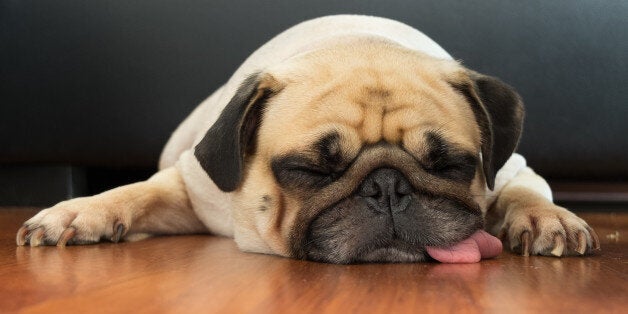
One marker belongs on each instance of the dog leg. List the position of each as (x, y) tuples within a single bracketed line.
[(159, 205), (533, 224)]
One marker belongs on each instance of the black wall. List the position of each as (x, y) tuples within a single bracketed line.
[(103, 83)]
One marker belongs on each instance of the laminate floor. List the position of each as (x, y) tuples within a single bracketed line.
[(206, 274)]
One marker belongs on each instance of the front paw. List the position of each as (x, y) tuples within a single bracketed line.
[(548, 230), (77, 221)]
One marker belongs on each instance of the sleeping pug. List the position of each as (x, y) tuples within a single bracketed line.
[(344, 139)]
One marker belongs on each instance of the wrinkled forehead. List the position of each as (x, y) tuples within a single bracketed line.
[(368, 96)]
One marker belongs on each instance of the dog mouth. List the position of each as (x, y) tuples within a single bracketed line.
[(394, 254), (480, 245), (392, 250), (427, 228), (396, 251)]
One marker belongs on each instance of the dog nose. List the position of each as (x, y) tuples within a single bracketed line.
[(386, 190)]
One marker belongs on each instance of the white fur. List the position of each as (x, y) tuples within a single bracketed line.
[(516, 173)]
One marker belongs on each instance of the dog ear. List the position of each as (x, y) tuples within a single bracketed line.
[(499, 112), (232, 137)]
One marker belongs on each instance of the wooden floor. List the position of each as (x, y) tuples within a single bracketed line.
[(205, 274)]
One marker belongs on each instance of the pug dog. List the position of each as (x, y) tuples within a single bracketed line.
[(344, 139)]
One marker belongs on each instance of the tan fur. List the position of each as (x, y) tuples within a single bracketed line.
[(417, 96)]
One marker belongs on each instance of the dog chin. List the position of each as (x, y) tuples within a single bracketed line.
[(398, 252), (392, 250), (393, 255)]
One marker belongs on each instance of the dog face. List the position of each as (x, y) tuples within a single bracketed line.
[(361, 152)]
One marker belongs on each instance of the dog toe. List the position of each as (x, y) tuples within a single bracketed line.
[(119, 229), (551, 231), (21, 236), (35, 237), (67, 235), (558, 246)]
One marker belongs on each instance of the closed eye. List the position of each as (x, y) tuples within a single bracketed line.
[(300, 172), (460, 167), (309, 170), (448, 161)]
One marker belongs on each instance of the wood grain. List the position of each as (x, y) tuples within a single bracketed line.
[(209, 274)]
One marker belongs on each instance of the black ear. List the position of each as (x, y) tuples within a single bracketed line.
[(224, 147), (499, 113)]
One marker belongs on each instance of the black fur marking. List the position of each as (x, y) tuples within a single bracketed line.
[(222, 150), (301, 170), (447, 161), (330, 152), (265, 200), (498, 110)]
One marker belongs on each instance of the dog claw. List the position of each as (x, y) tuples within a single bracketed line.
[(582, 243), (66, 236), (594, 238), (559, 245), (118, 230), (21, 236), (525, 243), (36, 236)]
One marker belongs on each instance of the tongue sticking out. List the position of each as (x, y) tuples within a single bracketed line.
[(470, 250)]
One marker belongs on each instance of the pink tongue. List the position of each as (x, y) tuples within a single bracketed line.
[(471, 250)]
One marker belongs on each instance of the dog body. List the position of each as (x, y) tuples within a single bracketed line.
[(343, 139), (212, 205)]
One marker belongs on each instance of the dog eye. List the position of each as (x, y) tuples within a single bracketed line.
[(305, 177), (310, 170), (456, 168), (300, 173)]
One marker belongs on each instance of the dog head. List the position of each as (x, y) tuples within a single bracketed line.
[(362, 152)]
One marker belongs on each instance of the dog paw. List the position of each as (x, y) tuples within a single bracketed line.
[(77, 221), (548, 230)]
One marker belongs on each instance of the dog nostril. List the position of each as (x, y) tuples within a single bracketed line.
[(403, 188), (369, 189), (402, 203)]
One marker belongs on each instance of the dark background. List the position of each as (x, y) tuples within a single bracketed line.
[(91, 90)]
